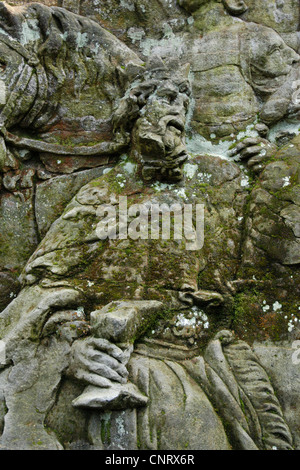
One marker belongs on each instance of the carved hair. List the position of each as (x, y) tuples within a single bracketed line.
[(131, 104)]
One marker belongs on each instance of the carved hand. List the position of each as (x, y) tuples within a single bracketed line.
[(254, 151), (96, 361)]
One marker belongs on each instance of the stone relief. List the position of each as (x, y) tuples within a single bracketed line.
[(103, 337)]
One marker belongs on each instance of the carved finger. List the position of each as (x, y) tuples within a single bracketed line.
[(127, 354), (237, 149), (105, 346), (251, 141), (101, 358), (256, 160), (243, 145), (105, 371), (249, 152), (92, 379)]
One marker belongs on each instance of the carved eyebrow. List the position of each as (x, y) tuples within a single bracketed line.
[(275, 47), (165, 91)]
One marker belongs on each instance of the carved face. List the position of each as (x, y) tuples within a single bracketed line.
[(158, 135), (270, 60)]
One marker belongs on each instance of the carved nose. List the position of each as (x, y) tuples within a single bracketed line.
[(293, 57)]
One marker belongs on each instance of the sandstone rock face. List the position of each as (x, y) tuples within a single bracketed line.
[(150, 225)]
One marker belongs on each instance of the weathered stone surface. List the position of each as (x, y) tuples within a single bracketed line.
[(120, 321), (18, 231), (9, 288), (131, 342), (53, 195), (67, 165)]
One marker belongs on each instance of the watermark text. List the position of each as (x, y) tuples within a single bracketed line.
[(152, 222)]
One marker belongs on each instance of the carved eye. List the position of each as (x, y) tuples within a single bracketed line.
[(275, 49), (167, 95), (184, 88), (2, 66)]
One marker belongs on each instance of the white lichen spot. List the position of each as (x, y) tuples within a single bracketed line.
[(81, 40), (130, 168), (277, 306), (245, 181), (80, 312), (190, 170), (248, 132), (158, 186), (129, 5), (120, 425), (194, 317), (64, 36), (135, 34), (182, 321), (30, 32), (204, 177), (95, 48), (292, 323), (181, 193), (286, 181), (198, 145), (288, 126), (121, 180)]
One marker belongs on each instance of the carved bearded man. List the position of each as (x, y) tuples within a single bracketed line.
[(55, 346), (124, 342)]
